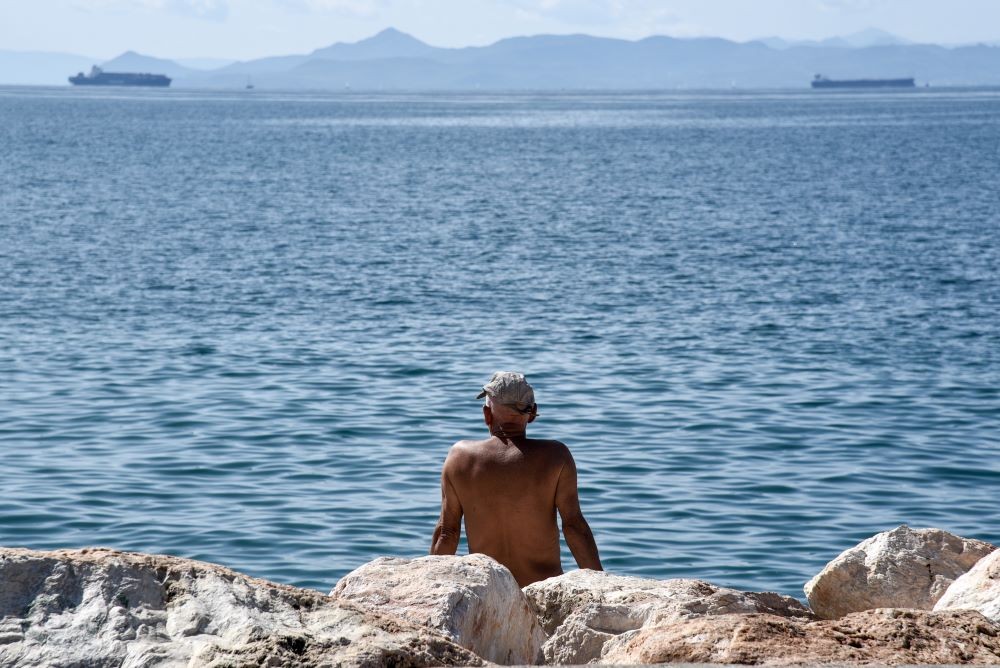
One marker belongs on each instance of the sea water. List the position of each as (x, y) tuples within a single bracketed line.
[(246, 327)]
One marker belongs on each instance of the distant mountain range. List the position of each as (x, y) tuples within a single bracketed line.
[(861, 40), (394, 60)]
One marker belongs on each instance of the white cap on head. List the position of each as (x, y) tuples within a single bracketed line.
[(510, 389)]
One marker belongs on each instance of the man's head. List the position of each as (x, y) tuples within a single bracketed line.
[(510, 402)]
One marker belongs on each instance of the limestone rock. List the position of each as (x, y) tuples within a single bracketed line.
[(979, 589), (584, 610), (98, 607), (472, 600), (884, 636), (902, 568)]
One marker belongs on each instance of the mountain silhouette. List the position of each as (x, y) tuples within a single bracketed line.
[(390, 43), (395, 60), (130, 61), (859, 40)]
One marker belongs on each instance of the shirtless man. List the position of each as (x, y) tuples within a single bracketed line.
[(509, 488)]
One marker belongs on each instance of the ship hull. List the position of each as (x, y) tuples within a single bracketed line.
[(865, 83), (151, 81)]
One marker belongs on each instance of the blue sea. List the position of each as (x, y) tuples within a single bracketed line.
[(246, 327)]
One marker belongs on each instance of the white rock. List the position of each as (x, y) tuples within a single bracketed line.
[(902, 568), (583, 610), (978, 589), (472, 600), (100, 607)]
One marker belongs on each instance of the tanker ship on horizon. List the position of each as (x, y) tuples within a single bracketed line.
[(99, 77), (822, 82)]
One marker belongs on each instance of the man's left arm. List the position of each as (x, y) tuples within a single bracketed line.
[(579, 537), (449, 526)]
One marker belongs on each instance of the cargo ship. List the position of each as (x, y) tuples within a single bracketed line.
[(822, 82), (99, 77)]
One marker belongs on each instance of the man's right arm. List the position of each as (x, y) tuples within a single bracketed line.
[(449, 526), (579, 537)]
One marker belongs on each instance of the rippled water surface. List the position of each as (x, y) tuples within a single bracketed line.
[(246, 328)]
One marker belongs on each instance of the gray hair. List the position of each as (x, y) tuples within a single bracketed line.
[(493, 403)]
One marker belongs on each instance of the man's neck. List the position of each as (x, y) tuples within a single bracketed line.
[(508, 435)]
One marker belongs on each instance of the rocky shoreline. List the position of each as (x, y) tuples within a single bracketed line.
[(902, 597)]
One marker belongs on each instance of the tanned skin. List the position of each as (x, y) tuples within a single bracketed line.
[(509, 488)]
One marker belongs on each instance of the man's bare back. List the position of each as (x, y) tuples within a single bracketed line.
[(509, 489)]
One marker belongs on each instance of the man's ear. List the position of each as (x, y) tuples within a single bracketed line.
[(533, 414)]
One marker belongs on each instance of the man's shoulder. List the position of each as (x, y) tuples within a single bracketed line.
[(548, 443), (465, 449), (472, 443), (475, 446), (554, 450), (469, 444)]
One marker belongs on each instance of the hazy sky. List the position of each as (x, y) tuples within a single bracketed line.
[(250, 28)]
